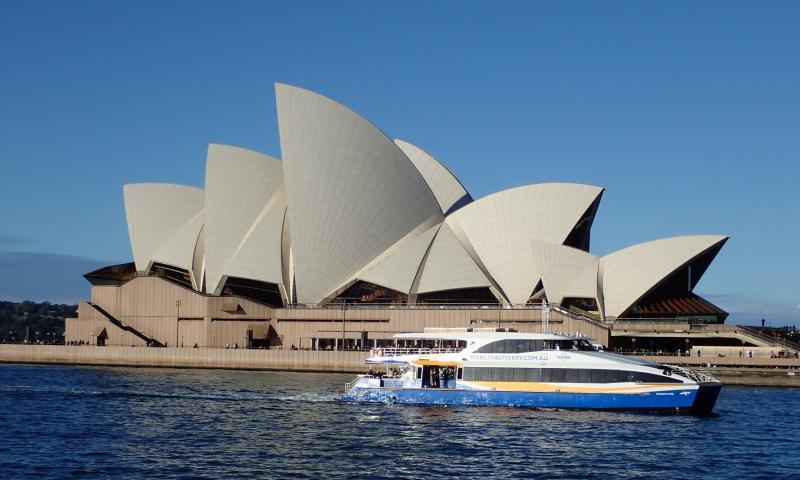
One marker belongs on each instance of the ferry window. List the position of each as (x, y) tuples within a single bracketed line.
[(419, 372), (570, 375), (558, 375), (512, 346), (652, 378), (469, 374), (584, 376), (546, 375), (481, 374), (519, 374), (580, 345), (598, 376), (460, 374), (532, 375)]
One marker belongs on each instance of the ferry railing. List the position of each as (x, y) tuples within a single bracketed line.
[(695, 375), (769, 338), (397, 351), (418, 306), (578, 316)]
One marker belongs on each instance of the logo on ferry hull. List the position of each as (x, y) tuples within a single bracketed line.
[(517, 357)]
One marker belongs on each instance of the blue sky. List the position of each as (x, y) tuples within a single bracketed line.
[(687, 112)]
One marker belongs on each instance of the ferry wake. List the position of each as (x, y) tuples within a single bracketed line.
[(508, 368)]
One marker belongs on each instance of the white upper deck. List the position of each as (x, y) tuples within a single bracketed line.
[(483, 335)]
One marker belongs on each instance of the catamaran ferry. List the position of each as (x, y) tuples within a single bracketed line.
[(481, 367)]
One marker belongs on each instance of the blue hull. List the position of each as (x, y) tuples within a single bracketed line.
[(684, 400)]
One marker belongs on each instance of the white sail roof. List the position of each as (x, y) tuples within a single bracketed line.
[(398, 267), (244, 215), (565, 271), (500, 227), (199, 259), (347, 203), (351, 192), (449, 192), (259, 256), (164, 221), (448, 266), (628, 274)]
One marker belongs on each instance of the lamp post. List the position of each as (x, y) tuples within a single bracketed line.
[(633, 342), (545, 317), (686, 340)]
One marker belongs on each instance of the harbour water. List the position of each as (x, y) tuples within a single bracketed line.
[(91, 422)]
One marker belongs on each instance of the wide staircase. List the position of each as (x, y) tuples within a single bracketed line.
[(699, 331), (771, 341), (124, 326)]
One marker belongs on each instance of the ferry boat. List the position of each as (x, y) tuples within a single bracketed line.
[(508, 368)]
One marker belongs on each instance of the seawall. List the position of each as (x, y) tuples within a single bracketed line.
[(784, 372), (745, 371), (240, 359)]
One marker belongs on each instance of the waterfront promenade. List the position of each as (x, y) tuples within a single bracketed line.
[(761, 372), (239, 359), (730, 370)]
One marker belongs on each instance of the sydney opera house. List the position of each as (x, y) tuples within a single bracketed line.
[(351, 237)]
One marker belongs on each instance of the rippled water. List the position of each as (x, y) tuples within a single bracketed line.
[(138, 423)]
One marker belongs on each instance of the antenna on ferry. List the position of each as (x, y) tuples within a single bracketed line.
[(545, 316)]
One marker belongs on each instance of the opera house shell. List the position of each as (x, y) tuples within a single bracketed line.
[(349, 216)]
